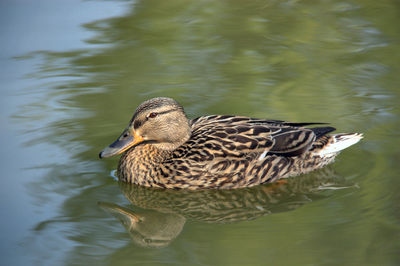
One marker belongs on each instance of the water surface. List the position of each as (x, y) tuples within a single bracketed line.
[(71, 81)]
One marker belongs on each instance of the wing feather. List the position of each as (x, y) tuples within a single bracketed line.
[(240, 135)]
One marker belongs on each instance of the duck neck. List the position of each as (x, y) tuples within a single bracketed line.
[(171, 146)]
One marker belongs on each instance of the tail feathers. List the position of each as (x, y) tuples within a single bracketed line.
[(339, 142)]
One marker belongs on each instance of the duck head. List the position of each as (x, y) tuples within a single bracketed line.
[(160, 121)]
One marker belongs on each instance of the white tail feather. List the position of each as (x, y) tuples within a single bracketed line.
[(340, 142)]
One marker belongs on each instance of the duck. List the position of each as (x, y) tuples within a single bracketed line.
[(162, 148)]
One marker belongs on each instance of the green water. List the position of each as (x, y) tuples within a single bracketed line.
[(73, 73)]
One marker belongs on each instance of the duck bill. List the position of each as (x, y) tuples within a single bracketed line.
[(120, 145)]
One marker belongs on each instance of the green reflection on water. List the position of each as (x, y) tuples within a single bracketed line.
[(300, 61), (166, 211)]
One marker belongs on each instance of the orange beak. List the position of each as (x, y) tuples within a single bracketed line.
[(123, 143)]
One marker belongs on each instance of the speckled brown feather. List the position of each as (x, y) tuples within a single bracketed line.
[(226, 152), (232, 205), (162, 148)]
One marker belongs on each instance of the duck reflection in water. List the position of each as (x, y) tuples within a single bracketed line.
[(166, 211)]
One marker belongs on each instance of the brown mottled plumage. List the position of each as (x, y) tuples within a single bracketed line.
[(162, 148)]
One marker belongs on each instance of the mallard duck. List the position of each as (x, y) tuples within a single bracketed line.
[(162, 148)]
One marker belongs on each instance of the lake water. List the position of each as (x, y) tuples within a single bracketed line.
[(73, 73)]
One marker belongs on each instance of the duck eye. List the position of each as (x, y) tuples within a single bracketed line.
[(152, 115), (125, 135)]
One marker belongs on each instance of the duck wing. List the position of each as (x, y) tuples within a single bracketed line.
[(237, 136)]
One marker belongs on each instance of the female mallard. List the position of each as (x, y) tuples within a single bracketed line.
[(162, 148)]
